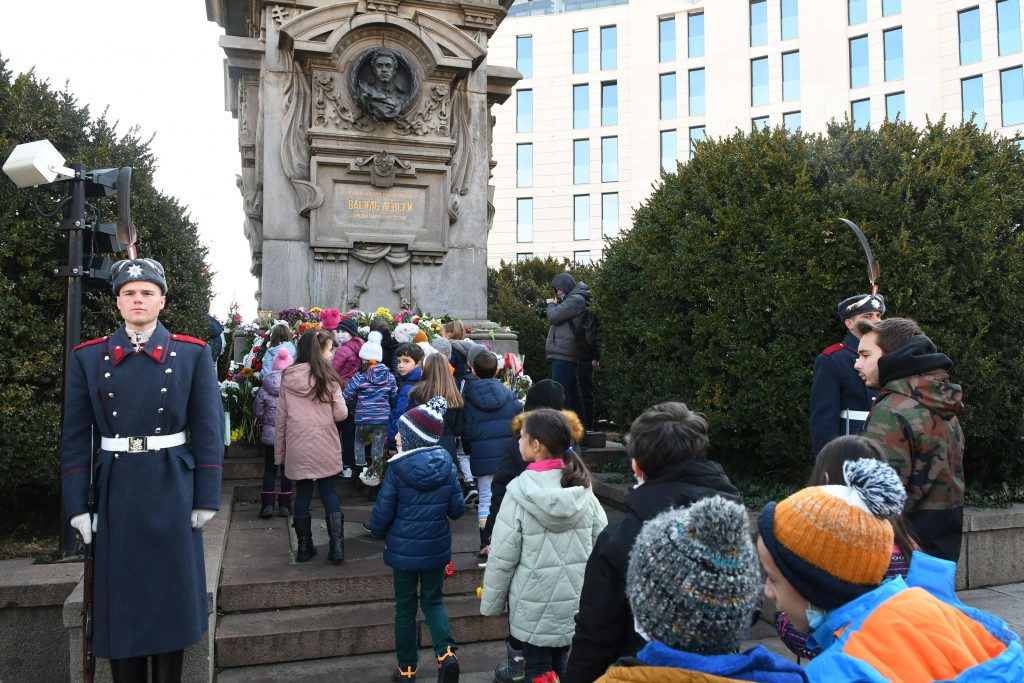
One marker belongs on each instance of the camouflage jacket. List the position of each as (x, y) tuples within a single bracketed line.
[(915, 423)]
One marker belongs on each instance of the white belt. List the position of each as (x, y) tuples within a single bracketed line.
[(140, 444), (857, 415)]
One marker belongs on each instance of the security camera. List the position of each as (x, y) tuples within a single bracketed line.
[(36, 163)]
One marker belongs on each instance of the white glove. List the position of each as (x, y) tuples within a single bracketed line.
[(201, 517), (81, 522)]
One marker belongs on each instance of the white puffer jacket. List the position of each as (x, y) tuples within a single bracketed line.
[(539, 549)]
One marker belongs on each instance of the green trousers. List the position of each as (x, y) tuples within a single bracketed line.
[(431, 600)]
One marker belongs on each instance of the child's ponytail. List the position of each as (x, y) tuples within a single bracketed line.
[(553, 430), (575, 472)]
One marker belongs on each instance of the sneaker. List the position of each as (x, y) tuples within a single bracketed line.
[(447, 667), (514, 671), (366, 528), (267, 512), (472, 496), (406, 676), (346, 473)]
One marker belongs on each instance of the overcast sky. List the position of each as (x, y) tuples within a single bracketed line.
[(155, 64)]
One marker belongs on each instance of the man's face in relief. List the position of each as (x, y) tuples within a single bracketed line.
[(384, 68)]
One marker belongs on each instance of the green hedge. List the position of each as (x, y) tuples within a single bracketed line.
[(726, 288)]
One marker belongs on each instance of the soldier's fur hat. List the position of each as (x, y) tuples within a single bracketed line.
[(861, 303), (138, 270)]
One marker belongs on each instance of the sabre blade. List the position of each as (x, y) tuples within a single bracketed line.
[(873, 270)]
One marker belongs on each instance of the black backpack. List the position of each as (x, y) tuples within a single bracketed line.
[(585, 328)]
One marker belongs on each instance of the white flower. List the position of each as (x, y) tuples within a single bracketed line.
[(249, 358), (363, 331), (369, 478), (255, 390)]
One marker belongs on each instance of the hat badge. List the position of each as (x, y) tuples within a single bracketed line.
[(874, 302), (134, 271)]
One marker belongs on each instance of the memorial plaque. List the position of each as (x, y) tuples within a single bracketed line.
[(400, 208)]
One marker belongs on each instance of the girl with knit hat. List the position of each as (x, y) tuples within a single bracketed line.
[(825, 550), (279, 337), (265, 408), (371, 392)]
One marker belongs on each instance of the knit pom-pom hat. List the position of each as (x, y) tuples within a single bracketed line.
[(329, 318), (282, 359), (405, 332), (834, 543), (694, 578), (372, 349), (442, 346), (423, 425)]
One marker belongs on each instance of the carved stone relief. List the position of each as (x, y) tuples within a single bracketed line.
[(393, 256), (294, 145), (383, 84), (382, 168), (432, 116), (462, 159)]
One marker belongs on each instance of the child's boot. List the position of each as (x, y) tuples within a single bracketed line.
[(266, 505), (406, 675), (304, 533), (447, 667), (470, 491), (513, 671), (284, 504), (335, 529)]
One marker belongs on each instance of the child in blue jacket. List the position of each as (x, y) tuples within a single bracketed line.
[(373, 392), (419, 494), (409, 361)]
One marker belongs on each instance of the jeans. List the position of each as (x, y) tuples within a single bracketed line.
[(542, 659), (377, 434), (585, 378), (483, 487), (564, 372), (328, 495), (347, 432), (431, 601), (269, 475)]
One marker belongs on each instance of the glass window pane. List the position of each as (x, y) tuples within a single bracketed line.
[(759, 81), (669, 150), (609, 58), (860, 112), (524, 220), (610, 214), (791, 76), (1012, 91), (891, 7), (609, 104), (580, 161), (857, 11), (895, 107), (759, 123), (520, 257), (1008, 14), (524, 165), (893, 43), (667, 39), (667, 94), (609, 159), (580, 106), (581, 217), (758, 22), (790, 19), (579, 51), (970, 36), (791, 121), (524, 55), (972, 100), (524, 111), (696, 92), (581, 257), (695, 35), (696, 135), (859, 76)]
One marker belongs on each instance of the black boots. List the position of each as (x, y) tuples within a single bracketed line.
[(335, 530), (305, 536), (266, 506), (165, 668)]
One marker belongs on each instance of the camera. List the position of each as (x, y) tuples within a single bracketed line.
[(542, 308)]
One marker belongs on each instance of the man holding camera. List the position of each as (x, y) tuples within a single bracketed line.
[(565, 314)]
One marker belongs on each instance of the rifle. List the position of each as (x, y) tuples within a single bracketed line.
[(88, 658)]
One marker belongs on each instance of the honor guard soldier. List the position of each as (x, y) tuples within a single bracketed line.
[(144, 407), (839, 399)]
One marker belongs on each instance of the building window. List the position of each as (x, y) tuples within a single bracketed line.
[(891, 7), (667, 39), (696, 101), (524, 111), (893, 42), (581, 217), (609, 103), (790, 19), (524, 220), (759, 81), (581, 258), (524, 165), (970, 36), (609, 159), (895, 107), (860, 112), (669, 151), (791, 121), (580, 162), (857, 11), (581, 106), (667, 95), (697, 134), (758, 22), (790, 75), (695, 35), (610, 214), (524, 256), (609, 56), (972, 100), (580, 42), (859, 76), (1011, 83), (524, 55), (1008, 17), (759, 123)]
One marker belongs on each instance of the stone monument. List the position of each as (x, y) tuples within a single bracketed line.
[(365, 131)]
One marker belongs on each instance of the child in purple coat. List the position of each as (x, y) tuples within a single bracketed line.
[(265, 407)]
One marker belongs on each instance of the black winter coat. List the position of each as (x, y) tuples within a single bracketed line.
[(604, 623)]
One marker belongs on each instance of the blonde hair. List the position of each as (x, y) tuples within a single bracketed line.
[(436, 381), (454, 329)]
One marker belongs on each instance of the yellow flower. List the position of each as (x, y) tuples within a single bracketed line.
[(236, 434), (315, 309), (383, 312)]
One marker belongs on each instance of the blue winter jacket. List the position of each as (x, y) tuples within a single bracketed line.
[(405, 385), (756, 664), (372, 393), (486, 423), (268, 357), (419, 494)]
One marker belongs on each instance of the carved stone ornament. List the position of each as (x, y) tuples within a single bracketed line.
[(386, 6), (433, 115), (383, 84), (371, 254), (382, 168), (295, 152)]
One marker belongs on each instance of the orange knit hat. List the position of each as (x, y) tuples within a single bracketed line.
[(421, 336)]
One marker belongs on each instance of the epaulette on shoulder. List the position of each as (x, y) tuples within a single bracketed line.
[(186, 338), (832, 349), (97, 340)]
